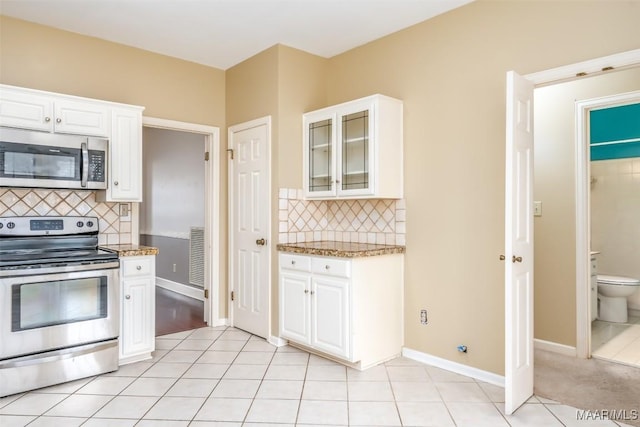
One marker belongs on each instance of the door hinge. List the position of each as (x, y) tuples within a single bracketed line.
[(230, 151), (233, 295), (206, 294), (206, 156)]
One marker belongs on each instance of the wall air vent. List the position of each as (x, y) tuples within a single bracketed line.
[(196, 256)]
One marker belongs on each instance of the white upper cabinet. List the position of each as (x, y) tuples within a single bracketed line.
[(27, 110), (125, 154), (354, 150), (120, 123)]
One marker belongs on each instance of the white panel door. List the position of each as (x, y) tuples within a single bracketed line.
[(519, 243), (330, 315), (251, 196)]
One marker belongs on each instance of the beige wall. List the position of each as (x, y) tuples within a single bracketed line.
[(555, 158), (450, 73), (44, 58), (281, 82)]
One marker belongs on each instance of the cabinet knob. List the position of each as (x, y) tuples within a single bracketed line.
[(47, 119), (313, 292), (127, 297), (293, 262), (58, 120), (306, 291), (115, 182), (326, 267), (138, 267)]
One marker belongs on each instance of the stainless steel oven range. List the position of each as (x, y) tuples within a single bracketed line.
[(59, 317)]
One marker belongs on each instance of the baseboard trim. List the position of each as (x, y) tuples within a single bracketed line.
[(220, 322), (554, 347), (185, 290), (458, 368), (277, 341)]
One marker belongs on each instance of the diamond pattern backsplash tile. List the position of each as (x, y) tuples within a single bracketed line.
[(380, 221), (44, 202)]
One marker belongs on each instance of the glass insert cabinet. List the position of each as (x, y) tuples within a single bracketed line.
[(354, 150)]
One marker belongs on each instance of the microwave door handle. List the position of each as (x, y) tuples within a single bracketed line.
[(84, 168)]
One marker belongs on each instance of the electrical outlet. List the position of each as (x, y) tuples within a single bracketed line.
[(125, 211), (423, 317)]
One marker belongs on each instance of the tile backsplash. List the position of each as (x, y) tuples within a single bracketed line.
[(45, 202), (380, 221)]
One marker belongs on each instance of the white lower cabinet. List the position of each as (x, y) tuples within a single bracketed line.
[(348, 309), (137, 308)]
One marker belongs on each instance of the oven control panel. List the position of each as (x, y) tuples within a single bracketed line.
[(48, 225)]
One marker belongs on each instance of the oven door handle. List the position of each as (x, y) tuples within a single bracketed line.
[(54, 356), (84, 168)]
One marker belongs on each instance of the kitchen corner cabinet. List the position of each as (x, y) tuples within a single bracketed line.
[(137, 308), (51, 112), (354, 150), (347, 309)]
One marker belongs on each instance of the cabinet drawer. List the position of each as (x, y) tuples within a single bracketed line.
[(136, 267), (331, 267), (295, 262)]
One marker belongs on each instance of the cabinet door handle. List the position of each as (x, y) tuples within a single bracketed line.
[(115, 182), (313, 292), (58, 120), (327, 267), (293, 262), (138, 267), (47, 119), (306, 291), (127, 297)]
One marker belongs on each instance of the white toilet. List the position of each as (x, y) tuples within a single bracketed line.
[(612, 294)]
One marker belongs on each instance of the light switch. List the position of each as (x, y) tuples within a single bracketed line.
[(537, 208)]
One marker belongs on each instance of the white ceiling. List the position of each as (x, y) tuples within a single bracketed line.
[(222, 33)]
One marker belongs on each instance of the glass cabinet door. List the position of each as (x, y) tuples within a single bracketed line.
[(356, 153), (320, 146)]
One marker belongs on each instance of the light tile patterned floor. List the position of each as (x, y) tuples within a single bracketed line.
[(225, 377), (619, 342)]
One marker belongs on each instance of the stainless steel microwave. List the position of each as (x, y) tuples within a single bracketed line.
[(46, 160)]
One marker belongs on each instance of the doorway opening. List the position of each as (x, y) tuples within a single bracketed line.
[(612, 174), (179, 216)]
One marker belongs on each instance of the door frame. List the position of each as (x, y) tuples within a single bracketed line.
[(583, 213), (563, 74), (266, 120), (212, 273)]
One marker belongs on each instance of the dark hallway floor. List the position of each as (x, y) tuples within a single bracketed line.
[(177, 313)]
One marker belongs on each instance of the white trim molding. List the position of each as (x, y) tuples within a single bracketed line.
[(277, 341), (554, 347), (212, 272), (458, 368), (583, 213), (180, 288), (583, 69)]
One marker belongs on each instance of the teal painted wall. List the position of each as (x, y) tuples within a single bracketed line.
[(615, 132)]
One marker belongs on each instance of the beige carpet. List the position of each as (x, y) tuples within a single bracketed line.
[(587, 383)]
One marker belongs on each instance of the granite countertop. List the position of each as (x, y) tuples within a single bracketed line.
[(131, 250), (340, 249)]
